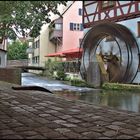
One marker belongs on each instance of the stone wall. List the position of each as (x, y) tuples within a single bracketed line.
[(11, 75)]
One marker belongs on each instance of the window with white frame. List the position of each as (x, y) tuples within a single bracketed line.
[(58, 26)]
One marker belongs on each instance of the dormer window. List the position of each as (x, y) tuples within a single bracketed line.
[(107, 4)]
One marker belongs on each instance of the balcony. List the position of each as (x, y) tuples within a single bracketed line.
[(56, 36), (56, 31)]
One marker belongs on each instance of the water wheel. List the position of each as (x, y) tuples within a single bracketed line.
[(109, 50)]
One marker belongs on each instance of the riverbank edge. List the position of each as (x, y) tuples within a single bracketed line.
[(120, 86)]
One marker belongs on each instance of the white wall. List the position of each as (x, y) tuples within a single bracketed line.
[(3, 57)]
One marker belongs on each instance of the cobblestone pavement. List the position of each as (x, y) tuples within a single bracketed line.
[(40, 115)]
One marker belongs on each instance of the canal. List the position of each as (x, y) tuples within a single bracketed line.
[(117, 99), (123, 100)]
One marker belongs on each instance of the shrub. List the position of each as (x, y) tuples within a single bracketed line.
[(61, 75), (78, 82), (55, 69)]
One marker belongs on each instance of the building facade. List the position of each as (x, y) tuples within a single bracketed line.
[(41, 46), (66, 32)]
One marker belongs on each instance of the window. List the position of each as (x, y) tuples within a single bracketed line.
[(38, 59), (80, 11), (33, 45), (36, 44), (71, 26), (81, 27), (35, 59), (107, 4), (58, 26), (76, 27)]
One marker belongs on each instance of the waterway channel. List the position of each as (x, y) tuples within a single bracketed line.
[(117, 99), (123, 100)]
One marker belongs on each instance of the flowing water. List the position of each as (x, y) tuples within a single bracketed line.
[(118, 99)]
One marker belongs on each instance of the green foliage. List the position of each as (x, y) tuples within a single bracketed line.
[(60, 75), (59, 68), (80, 83), (17, 50), (50, 66), (67, 78), (54, 66), (25, 17), (117, 86)]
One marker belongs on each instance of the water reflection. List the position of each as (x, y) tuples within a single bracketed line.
[(118, 99)]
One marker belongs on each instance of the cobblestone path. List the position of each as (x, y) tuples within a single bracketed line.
[(40, 115)]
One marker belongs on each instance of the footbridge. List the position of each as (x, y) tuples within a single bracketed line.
[(26, 68)]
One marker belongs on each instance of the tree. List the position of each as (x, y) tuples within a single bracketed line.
[(25, 17), (17, 50)]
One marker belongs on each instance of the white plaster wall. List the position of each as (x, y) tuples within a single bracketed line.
[(3, 56)]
